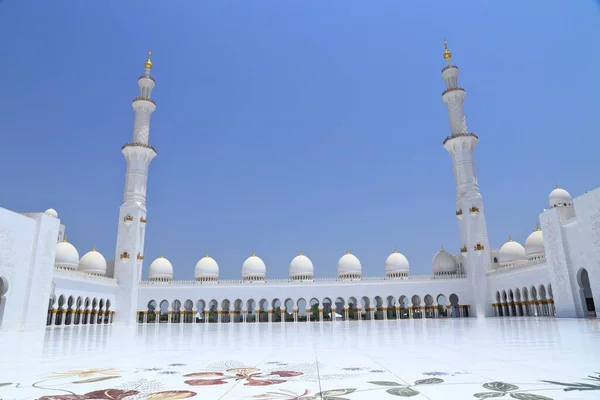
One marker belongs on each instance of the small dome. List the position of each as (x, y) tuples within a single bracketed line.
[(66, 255), (511, 251), (396, 263), (206, 269), (51, 212), (443, 262), (254, 267), (349, 265), (535, 243), (93, 263), (559, 198), (301, 266), (161, 268)]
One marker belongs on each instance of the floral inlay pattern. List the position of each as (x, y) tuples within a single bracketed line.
[(251, 377)]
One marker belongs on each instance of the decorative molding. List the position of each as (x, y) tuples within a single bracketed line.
[(143, 220), (128, 218), (124, 255), (459, 212), (463, 249)]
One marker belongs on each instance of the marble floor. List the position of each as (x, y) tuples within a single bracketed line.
[(520, 358)]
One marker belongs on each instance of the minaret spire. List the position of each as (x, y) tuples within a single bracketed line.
[(461, 146), (132, 215)]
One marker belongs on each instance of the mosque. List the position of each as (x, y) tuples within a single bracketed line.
[(556, 273)]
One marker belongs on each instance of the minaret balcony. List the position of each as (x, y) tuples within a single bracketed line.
[(145, 99), (146, 77), (459, 214), (138, 144), (452, 90), (455, 135), (474, 211)]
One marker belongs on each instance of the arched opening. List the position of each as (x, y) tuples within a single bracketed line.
[(551, 301), (51, 302), (59, 313), (526, 301), (429, 308), (276, 310), (188, 308), (237, 311), (201, 311), (513, 308), (250, 311), (585, 290), (416, 307), (366, 307), (390, 302), (87, 310), (100, 311), (225, 308), (288, 310), (109, 315), (263, 310), (455, 308), (176, 313), (442, 309), (69, 314), (353, 313), (164, 311), (519, 302), (327, 309), (403, 303), (378, 307), (544, 301), (534, 300), (505, 304), (303, 311), (340, 309), (499, 312)]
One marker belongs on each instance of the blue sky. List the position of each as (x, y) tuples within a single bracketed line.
[(288, 125)]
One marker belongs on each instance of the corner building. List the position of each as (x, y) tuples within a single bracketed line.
[(555, 273)]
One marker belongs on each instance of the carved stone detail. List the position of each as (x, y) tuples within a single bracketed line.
[(7, 253), (557, 266)]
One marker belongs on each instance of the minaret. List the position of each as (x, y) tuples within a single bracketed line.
[(132, 215), (470, 212)]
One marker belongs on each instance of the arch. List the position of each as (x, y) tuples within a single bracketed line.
[(340, 308), (585, 291), (390, 302), (511, 305), (78, 310), (442, 309), (201, 312), (213, 311), (353, 313), (251, 310), (404, 311), (551, 301), (87, 304), (69, 309), (416, 306), (276, 307), (378, 306), (366, 307), (303, 311), (59, 313), (176, 311), (527, 306), (225, 308), (100, 315), (454, 306), (263, 315), (163, 310), (429, 309), (237, 316), (544, 301), (534, 298), (50, 315), (315, 309), (188, 309), (505, 309), (327, 304), (519, 303), (288, 308)]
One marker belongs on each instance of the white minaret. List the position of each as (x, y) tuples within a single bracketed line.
[(470, 212), (132, 215)]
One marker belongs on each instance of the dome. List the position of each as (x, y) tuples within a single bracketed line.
[(396, 263), (254, 267), (51, 212), (301, 267), (349, 266), (207, 269), (535, 242), (559, 197), (93, 263), (161, 268), (66, 255), (511, 251), (443, 263)]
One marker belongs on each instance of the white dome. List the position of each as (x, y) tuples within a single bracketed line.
[(511, 251), (559, 197), (535, 243), (161, 268), (396, 263), (66, 255), (443, 262), (349, 265), (301, 266), (93, 263), (206, 269), (51, 212), (254, 267)]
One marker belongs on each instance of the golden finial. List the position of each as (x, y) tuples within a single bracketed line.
[(148, 62), (253, 253), (442, 248), (65, 238), (537, 226), (395, 250), (509, 238), (206, 255), (301, 252), (94, 249), (557, 187), (447, 54), (161, 255)]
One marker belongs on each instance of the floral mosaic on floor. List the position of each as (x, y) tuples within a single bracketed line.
[(65, 385)]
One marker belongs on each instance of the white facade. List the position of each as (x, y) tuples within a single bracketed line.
[(556, 272)]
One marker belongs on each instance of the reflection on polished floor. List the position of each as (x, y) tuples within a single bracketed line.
[(532, 359)]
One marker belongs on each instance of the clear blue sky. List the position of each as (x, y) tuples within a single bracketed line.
[(288, 125)]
